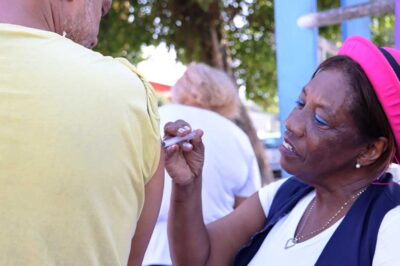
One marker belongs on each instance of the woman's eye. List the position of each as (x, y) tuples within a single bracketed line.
[(320, 121), (300, 103)]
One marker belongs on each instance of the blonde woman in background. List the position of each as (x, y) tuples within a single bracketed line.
[(206, 97)]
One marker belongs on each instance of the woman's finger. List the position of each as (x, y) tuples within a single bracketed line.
[(177, 128), (169, 151), (186, 146)]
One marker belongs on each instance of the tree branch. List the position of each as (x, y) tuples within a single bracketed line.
[(336, 16)]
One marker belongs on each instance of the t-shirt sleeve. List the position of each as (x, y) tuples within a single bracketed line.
[(387, 248), (253, 181), (267, 194), (151, 127)]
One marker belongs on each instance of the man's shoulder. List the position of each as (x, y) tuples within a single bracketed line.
[(93, 59), (59, 52), (80, 63), (58, 62)]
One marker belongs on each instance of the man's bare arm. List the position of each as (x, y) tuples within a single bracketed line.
[(148, 217)]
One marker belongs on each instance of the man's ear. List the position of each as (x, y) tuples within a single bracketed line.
[(373, 151)]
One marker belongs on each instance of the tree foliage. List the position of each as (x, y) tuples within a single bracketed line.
[(235, 35)]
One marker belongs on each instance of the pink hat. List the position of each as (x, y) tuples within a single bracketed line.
[(383, 71)]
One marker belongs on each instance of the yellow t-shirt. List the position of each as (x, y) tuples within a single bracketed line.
[(79, 139)]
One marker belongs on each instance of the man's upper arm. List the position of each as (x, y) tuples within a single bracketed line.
[(148, 217)]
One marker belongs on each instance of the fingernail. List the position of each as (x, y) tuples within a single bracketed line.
[(186, 127), (187, 146), (171, 148), (181, 130)]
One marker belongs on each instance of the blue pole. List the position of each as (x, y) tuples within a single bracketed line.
[(359, 26), (296, 52)]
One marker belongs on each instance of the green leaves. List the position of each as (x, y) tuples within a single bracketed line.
[(243, 36), (244, 30)]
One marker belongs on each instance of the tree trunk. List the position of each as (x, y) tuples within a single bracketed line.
[(215, 52), (246, 125), (219, 57)]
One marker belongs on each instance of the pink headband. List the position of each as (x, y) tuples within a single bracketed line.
[(383, 71)]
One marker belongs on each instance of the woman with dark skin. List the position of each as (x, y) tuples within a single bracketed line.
[(339, 208)]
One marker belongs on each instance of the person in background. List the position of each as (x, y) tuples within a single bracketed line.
[(205, 96), (339, 208), (79, 141), (394, 169)]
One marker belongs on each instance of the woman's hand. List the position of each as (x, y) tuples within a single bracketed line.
[(183, 161)]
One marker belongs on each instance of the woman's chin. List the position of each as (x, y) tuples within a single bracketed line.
[(286, 167)]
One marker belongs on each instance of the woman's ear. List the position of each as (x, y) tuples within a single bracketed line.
[(373, 151)]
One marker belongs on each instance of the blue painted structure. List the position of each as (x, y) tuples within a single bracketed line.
[(359, 26), (296, 52)]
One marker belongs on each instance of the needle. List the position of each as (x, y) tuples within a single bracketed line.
[(169, 142)]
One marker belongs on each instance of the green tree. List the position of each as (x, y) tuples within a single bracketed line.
[(234, 35)]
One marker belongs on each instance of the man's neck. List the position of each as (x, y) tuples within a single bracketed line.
[(28, 13)]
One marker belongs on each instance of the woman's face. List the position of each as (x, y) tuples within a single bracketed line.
[(321, 139)]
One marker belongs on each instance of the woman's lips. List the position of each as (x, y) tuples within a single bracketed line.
[(288, 146), (288, 149)]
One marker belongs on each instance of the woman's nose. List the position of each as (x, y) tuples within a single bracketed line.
[(295, 123)]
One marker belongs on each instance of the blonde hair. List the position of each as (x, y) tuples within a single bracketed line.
[(209, 88)]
